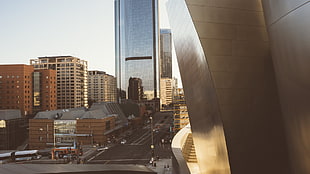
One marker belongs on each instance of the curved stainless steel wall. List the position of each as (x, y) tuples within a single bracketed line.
[(228, 78), (288, 26)]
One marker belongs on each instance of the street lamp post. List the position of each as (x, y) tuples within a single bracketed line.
[(54, 132), (152, 138)]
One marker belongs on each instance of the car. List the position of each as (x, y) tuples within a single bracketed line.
[(102, 148), (123, 141)]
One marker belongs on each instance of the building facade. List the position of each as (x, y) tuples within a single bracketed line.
[(44, 90), (16, 88), (180, 113), (13, 129), (136, 35), (71, 79), (135, 89), (166, 91), (27, 89), (101, 87), (98, 128), (165, 53), (65, 127)]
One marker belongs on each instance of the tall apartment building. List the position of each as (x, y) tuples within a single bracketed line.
[(101, 87), (71, 79), (166, 91)]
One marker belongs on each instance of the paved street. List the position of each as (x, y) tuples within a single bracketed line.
[(137, 149)]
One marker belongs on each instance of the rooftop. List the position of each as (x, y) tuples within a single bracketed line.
[(10, 114), (97, 111)]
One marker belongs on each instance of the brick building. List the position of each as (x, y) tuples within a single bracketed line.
[(96, 128), (12, 129), (26, 89), (44, 90), (80, 125), (16, 88)]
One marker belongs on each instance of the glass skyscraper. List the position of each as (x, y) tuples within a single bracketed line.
[(165, 53), (136, 45)]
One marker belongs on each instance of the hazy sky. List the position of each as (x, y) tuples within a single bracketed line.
[(80, 28)]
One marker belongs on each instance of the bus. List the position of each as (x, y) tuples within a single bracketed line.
[(5, 157), (25, 155)]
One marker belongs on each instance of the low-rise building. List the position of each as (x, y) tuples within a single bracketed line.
[(12, 129), (79, 125)]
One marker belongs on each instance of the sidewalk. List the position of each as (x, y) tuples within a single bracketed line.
[(162, 166)]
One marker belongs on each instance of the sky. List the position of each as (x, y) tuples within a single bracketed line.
[(79, 28)]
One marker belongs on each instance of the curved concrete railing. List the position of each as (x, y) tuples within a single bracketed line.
[(179, 163)]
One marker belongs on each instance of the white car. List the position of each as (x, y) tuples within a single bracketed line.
[(102, 148), (123, 141)]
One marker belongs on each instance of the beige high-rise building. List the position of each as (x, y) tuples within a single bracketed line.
[(101, 86), (166, 90), (71, 79)]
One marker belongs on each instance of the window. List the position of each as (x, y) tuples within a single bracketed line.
[(107, 125)]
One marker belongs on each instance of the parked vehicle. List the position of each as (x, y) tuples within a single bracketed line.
[(123, 141)]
